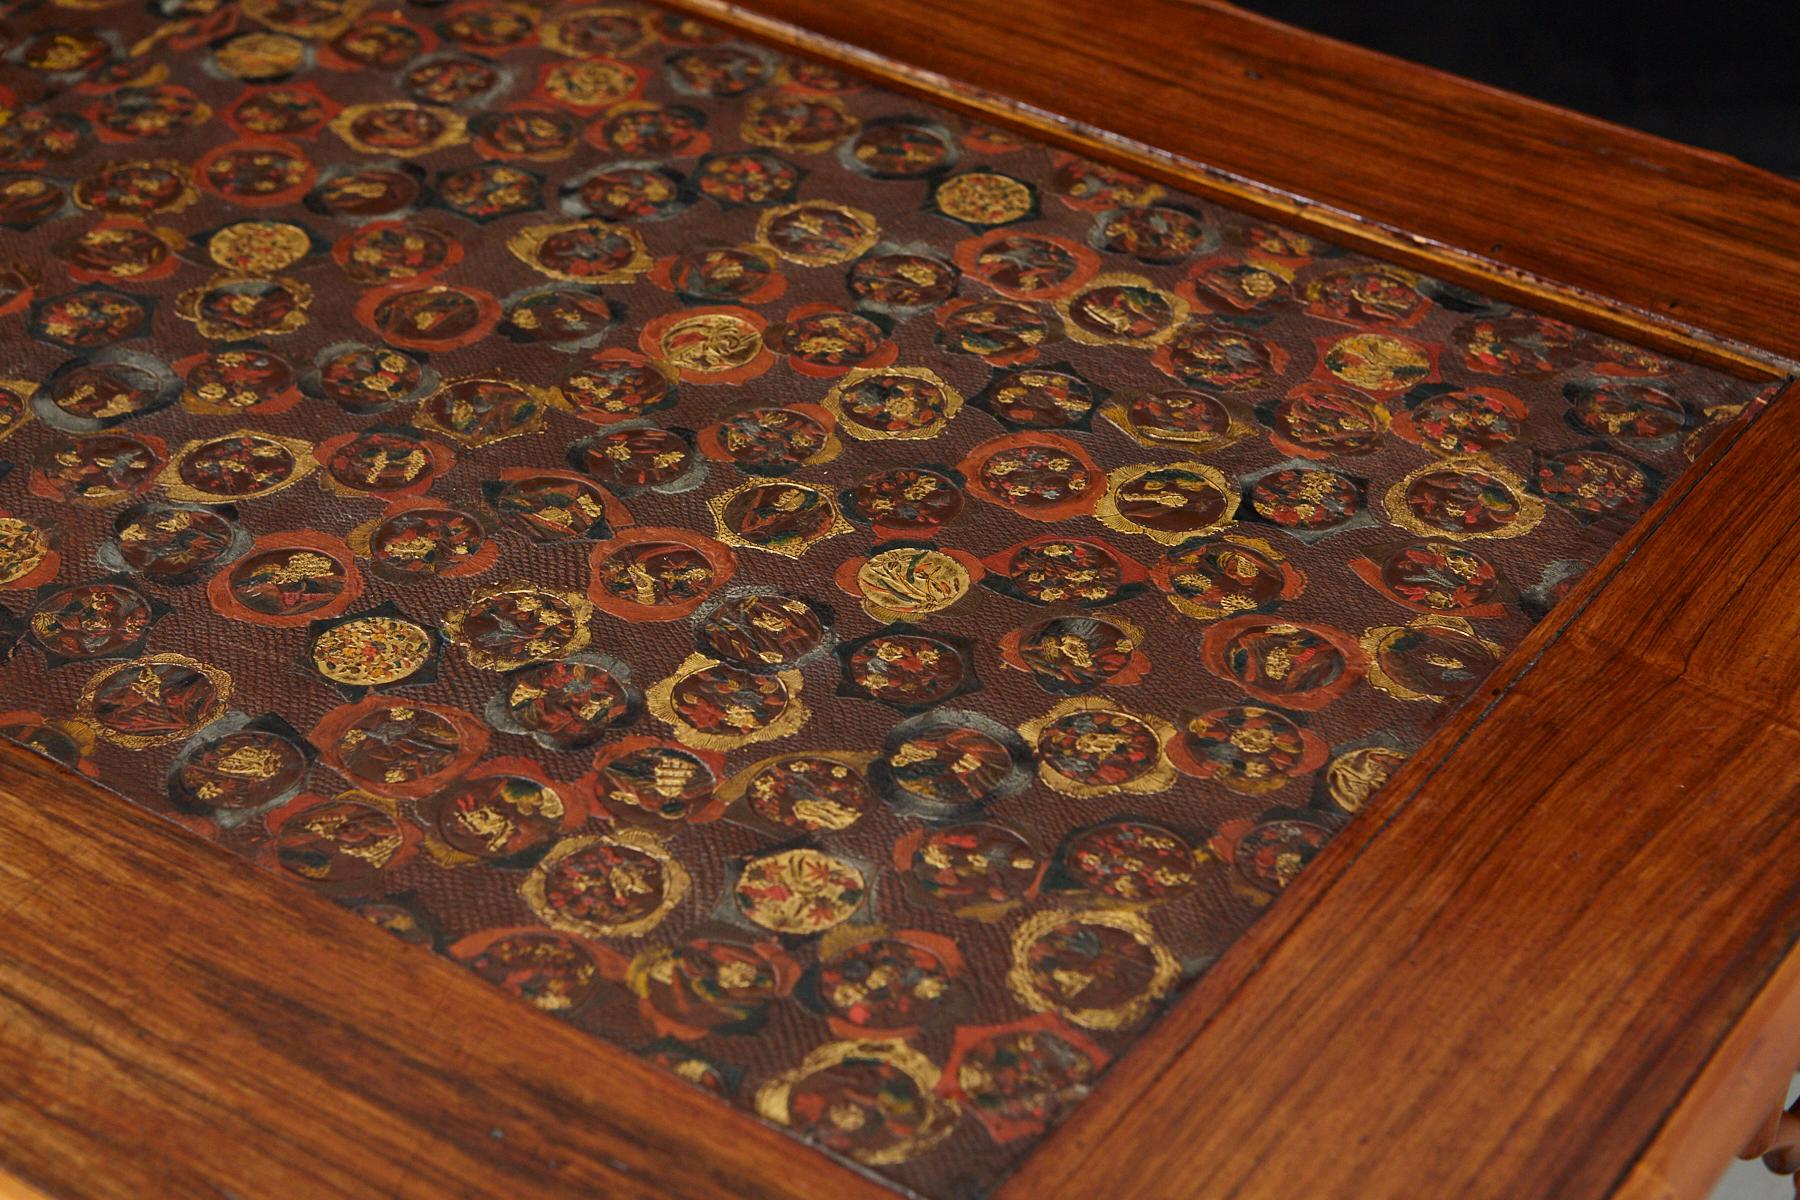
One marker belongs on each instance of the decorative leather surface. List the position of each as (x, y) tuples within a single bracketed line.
[(848, 604)]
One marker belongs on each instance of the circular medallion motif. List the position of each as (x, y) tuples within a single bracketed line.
[(782, 518), (810, 792), (1222, 577), (637, 458), (1068, 655), (567, 703), (153, 701), (1461, 499), (236, 466), (496, 818), (657, 575), (984, 198), (343, 844), (761, 631), (421, 543), (135, 188), (553, 505), (874, 1102), (798, 892), (720, 706), (904, 501), (1250, 750), (612, 885), (947, 764), (91, 620), (899, 281), (371, 651), (403, 750), (1099, 970), (1130, 863), (644, 777), (360, 193), (1273, 854), (1458, 421), (1123, 310), (366, 379), (1433, 658), (1595, 485), (1303, 667), (1167, 503), (290, 582), (1153, 233), (1087, 749), (223, 382), (547, 970), (170, 543), (974, 865), (1040, 399), (902, 403), (817, 233), (429, 316), (899, 148), (909, 671), (1354, 776), (99, 468), (1304, 500), (512, 624), (1221, 359), (911, 582), (237, 773), (1628, 412), (887, 986)]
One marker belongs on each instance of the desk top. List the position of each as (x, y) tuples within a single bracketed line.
[(858, 598)]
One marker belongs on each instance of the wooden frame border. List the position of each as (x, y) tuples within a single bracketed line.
[(275, 1024)]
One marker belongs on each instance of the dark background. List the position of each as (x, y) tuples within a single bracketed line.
[(1724, 75)]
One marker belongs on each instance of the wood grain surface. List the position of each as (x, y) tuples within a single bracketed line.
[(1669, 244), (1560, 933), (176, 1024)]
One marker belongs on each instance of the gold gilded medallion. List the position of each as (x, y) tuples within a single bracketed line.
[(711, 343), (561, 251), (1122, 310), (371, 651), (1087, 746), (400, 128), (22, 549), (930, 1116), (712, 705), (910, 582), (984, 198), (1356, 775), (154, 700), (817, 233), (1167, 502), (258, 247), (801, 891), (893, 403), (241, 465), (511, 624), (1100, 969)]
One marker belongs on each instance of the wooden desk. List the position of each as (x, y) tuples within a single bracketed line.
[(1555, 957)]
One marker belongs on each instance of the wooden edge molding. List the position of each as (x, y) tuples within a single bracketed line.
[(1740, 1088), (176, 1023), (1180, 155), (1270, 1009)]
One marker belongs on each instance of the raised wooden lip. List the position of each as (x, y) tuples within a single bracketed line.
[(761, 1167), (1457, 263)]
